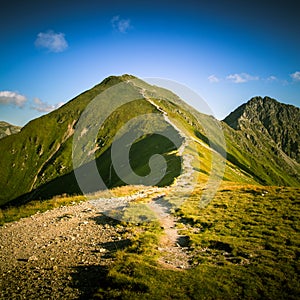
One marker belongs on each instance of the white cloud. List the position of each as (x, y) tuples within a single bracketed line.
[(8, 97), (121, 25), (295, 76), (213, 79), (241, 78), (54, 42), (18, 100), (42, 106), (272, 78)]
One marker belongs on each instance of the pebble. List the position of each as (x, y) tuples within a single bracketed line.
[(32, 258)]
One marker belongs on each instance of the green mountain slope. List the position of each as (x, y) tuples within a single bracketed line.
[(37, 162), (8, 129), (39, 158)]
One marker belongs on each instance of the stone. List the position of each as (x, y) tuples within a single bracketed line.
[(32, 258)]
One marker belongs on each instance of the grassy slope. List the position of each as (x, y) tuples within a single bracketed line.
[(246, 246), (39, 158), (24, 154), (243, 245)]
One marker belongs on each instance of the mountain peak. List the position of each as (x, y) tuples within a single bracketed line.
[(277, 120), (114, 79), (258, 109)]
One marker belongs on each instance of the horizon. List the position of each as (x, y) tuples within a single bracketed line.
[(226, 53)]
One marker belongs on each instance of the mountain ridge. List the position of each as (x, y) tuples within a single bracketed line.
[(39, 158)]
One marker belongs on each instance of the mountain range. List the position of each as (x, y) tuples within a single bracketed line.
[(261, 142), (8, 129)]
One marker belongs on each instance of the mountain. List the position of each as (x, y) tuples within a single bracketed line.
[(39, 161), (267, 132), (8, 129), (278, 121), (39, 157)]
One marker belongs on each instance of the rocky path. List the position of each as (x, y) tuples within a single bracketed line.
[(65, 252), (173, 246), (59, 254)]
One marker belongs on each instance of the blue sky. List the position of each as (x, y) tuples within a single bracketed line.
[(226, 51)]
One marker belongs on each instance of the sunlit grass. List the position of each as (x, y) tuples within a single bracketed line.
[(244, 244), (15, 213)]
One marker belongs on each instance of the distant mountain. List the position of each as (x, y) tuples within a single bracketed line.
[(277, 121), (8, 129), (262, 146), (266, 138)]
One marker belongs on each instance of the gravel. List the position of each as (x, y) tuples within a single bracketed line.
[(60, 254)]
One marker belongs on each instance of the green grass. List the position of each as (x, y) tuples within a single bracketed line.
[(244, 245), (39, 158), (15, 213)]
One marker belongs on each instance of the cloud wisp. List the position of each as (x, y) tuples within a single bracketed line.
[(241, 77), (42, 106), (12, 98), (272, 78), (213, 79), (52, 41), (121, 25), (295, 76), (245, 77), (20, 101)]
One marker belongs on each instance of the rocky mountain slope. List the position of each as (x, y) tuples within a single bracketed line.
[(8, 129), (269, 133), (278, 121)]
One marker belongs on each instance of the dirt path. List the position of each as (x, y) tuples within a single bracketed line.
[(174, 247)]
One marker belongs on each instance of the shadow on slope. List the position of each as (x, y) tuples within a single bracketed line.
[(140, 153)]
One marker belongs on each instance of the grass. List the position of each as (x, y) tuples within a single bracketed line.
[(244, 244), (15, 213)]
